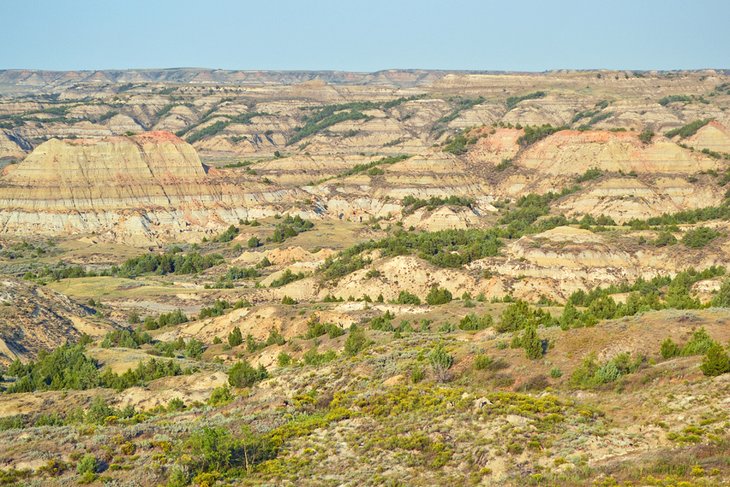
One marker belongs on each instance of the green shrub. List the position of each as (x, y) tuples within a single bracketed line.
[(716, 361), (699, 237), (665, 239), (290, 227), (458, 144), (404, 297), (646, 136), (125, 339), (441, 361), (220, 396), (535, 133), (242, 374), (722, 298), (512, 101), (589, 175), (283, 359), (253, 242), (688, 130), (482, 361), (532, 343), (194, 348), (438, 295), (474, 322), (313, 357), (287, 277), (88, 464), (417, 374), (356, 341), (235, 337), (674, 98), (592, 374), (173, 262), (315, 328), (411, 203), (228, 235), (669, 349)]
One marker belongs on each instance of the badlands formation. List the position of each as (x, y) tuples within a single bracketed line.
[(396, 278)]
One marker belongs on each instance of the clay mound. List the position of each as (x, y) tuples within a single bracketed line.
[(34, 318), (149, 156), (713, 136), (495, 147), (444, 218), (574, 152), (627, 198)]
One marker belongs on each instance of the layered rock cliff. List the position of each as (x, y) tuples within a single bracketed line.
[(138, 190)]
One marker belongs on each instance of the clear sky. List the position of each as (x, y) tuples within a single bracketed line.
[(365, 35)]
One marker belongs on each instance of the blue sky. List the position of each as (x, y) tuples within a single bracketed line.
[(365, 35)]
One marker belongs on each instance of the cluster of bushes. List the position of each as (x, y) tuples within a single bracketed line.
[(313, 357), (460, 104), (142, 374), (698, 344), (658, 293), (172, 262), (125, 339), (438, 295), (595, 119), (411, 203), (589, 175), (291, 226), (243, 374), (64, 271), (538, 132), (699, 237), (316, 328), (688, 130), (512, 101), (528, 209), (716, 360), (404, 297), (459, 143), (228, 235), (234, 274), (192, 348), (172, 318), (664, 101), (721, 212), (286, 277), (593, 374), (220, 307), (219, 126), (472, 322), (68, 367), (520, 315), (235, 338), (590, 113), (328, 116), (384, 161), (646, 136)]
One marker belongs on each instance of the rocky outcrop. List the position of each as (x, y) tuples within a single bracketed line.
[(35, 318)]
